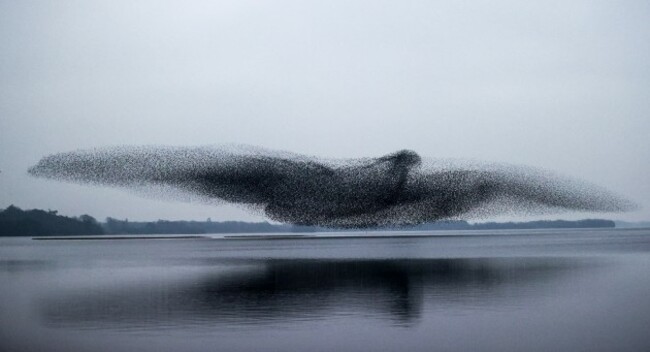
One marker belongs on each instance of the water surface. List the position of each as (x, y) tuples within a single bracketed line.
[(534, 290)]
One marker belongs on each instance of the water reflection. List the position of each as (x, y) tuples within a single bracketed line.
[(18, 265), (244, 292)]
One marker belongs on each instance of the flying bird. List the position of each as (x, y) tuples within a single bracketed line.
[(400, 188)]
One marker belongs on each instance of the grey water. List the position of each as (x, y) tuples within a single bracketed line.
[(524, 290)]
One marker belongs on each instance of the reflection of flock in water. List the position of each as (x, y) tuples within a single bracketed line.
[(286, 290)]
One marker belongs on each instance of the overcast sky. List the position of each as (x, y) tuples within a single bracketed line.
[(562, 85)]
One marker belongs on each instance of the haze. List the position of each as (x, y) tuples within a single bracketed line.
[(556, 85)]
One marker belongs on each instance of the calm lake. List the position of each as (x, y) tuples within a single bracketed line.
[(519, 290)]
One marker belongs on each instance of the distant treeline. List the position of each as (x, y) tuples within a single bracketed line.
[(554, 224), (541, 224), (17, 222), (114, 226)]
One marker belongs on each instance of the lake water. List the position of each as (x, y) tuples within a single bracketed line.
[(543, 290)]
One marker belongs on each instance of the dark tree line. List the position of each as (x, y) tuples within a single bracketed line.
[(17, 222), (554, 224), (115, 226)]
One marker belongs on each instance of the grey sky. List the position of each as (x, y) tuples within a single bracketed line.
[(553, 84)]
